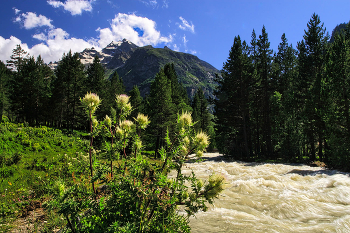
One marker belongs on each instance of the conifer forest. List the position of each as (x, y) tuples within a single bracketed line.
[(103, 153)]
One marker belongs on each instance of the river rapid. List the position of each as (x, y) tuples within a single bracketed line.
[(262, 197)]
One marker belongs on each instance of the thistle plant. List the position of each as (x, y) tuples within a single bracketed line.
[(141, 195), (90, 103)]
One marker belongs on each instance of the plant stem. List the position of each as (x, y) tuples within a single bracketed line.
[(90, 152)]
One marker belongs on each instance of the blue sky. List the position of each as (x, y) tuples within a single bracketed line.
[(205, 28)]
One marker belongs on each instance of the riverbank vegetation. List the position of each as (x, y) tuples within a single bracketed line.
[(291, 105), (99, 161)]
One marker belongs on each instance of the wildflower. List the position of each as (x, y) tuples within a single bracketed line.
[(119, 132), (122, 100), (185, 119), (90, 102), (199, 153), (142, 120), (183, 150), (126, 125), (108, 121), (201, 140), (94, 122), (186, 141)]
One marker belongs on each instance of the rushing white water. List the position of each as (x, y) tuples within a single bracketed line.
[(274, 198)]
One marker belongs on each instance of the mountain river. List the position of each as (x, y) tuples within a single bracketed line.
[(263, 197)]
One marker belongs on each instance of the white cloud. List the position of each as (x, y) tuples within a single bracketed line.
[(31, 20), (176, 48), (52, 48), (7, 45), (16, 10), (193, 52), (75, 7), (165, 3), (40, 36), (185, 41), (124, 25), (186, 25)]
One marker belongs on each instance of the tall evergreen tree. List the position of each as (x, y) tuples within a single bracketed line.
[(5, 75), (96, 83), (160, 108), (18, 58), (312, 84), (263, 59), (136, 101), (338, 120), (232, 103), (68, 87), (200, 112), (285, 132)]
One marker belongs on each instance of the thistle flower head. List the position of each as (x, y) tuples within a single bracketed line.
[(122, 100), (183, 150), (185, 119), (142, 120), (126, 125), (201, 140), (119, 132), (186, 141), (108, 121), (90, 102), (94, 123), (199, 153)]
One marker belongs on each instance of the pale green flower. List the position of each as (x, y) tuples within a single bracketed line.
[(94, 123), (201, 140), (185, 119), (108, 121), (186, 141), (122, 100), (199, 153), (119, 132), (142, 120), (90, 102), (126, 125)]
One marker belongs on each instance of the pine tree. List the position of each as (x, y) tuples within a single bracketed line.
[(68, 87), (200, 112), (285, 133), (5, 75), (232, 103), (96, 83), (18, 58), (136, 101), (263, 59), (311, 83), (160, 108), (338, 118)]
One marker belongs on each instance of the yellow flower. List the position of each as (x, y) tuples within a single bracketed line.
[(126, 125), (142, 120), (122, 100), (201, 140), (90, 102), (108, 121), (185, 119)]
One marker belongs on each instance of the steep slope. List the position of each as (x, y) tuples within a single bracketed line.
[(146, 61), (139, 65)]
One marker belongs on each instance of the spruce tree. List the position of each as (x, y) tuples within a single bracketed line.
[(263, 59), (68, 87), (5, 75), (232, 103), (18, 58), (136, 101), (160, 108), (312, 84)]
